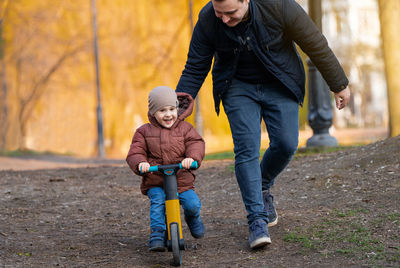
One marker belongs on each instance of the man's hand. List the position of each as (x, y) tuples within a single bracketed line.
[(187, 162), (342, 98), (144, 167)]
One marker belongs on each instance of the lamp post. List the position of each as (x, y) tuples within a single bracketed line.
[(99, 112), (319, 101)]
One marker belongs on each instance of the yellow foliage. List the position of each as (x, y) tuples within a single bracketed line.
[(142, 44)]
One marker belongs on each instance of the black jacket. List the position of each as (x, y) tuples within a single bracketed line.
[(274, 28)]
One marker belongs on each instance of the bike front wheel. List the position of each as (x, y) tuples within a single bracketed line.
[(176, 250)]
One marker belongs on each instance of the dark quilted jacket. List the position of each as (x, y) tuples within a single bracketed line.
[(275, 27), (160, 146)]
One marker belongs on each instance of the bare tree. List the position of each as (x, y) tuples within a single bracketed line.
[(31, 96), (99, 111)]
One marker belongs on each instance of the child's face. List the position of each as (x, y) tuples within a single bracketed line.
[(166, 116)]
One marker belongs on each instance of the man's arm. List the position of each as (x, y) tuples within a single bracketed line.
[(198, 62), (307, 35)]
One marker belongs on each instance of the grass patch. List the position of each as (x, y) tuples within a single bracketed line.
[(345, 232), (20, 153), (301, 152), (299, 238), (220, 156), (395, 217)]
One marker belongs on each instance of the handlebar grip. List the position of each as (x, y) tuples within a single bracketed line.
[(194, 165), (153, 169)]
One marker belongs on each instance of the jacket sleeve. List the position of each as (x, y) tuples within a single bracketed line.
[(137, 152), (198, 62), (195, 145), (307, 35)]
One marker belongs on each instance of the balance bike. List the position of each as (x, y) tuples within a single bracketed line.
[(175, 242)]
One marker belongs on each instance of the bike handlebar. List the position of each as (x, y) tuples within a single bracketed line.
[(170, 169)]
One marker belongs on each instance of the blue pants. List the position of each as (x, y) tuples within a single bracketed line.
[(189, 201), (246, 105)]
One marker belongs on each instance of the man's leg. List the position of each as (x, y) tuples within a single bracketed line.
[(280, 113), (244, 115), (242, 107)]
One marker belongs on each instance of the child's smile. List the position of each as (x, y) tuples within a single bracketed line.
[(166, 116)]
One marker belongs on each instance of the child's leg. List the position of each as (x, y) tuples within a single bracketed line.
[(191, 206), (190, 203), (157, 218)]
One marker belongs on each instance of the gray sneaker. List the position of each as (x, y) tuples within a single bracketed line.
[(269, 207), (258, 234)]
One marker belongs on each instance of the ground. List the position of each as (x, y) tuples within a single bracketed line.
[(339, 209)]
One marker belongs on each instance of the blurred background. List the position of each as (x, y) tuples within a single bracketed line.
[(50, 100)]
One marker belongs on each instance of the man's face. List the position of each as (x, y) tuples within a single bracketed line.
[(231, 12)]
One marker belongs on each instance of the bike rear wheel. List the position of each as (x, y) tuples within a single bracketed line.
[(176, 250)]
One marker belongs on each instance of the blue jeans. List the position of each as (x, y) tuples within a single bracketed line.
[(189, 201), (246, 105)]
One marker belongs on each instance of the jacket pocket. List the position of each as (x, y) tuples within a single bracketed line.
[(273, 45)]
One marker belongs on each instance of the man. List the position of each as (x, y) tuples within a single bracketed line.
[(258, 75)]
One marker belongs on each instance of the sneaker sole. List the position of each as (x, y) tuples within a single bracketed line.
[(197, 236), (157, 249), (260, 242), (273, 223)]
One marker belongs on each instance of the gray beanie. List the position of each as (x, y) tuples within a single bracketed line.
[(160, 97)]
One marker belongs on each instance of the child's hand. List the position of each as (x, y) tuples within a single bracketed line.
[(187, 162), (144, 167)]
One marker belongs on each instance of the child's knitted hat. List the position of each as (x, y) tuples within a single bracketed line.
[(160, 97)]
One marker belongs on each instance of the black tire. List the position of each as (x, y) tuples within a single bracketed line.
[(176, 250)]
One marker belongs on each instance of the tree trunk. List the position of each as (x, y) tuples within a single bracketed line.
[(389, 13), (4, 124), (198, 119)]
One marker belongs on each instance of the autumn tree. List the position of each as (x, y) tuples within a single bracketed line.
[(51, 94), (389, 12), (32, 59)]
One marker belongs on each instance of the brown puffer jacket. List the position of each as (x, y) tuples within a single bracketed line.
[(157, 145)]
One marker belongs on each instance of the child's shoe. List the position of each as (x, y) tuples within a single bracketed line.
[(196, 226), (157, 240)]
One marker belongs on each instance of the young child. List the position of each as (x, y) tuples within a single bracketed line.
[(167, 139)]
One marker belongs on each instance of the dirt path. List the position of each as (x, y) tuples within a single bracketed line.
[(335, 210)]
